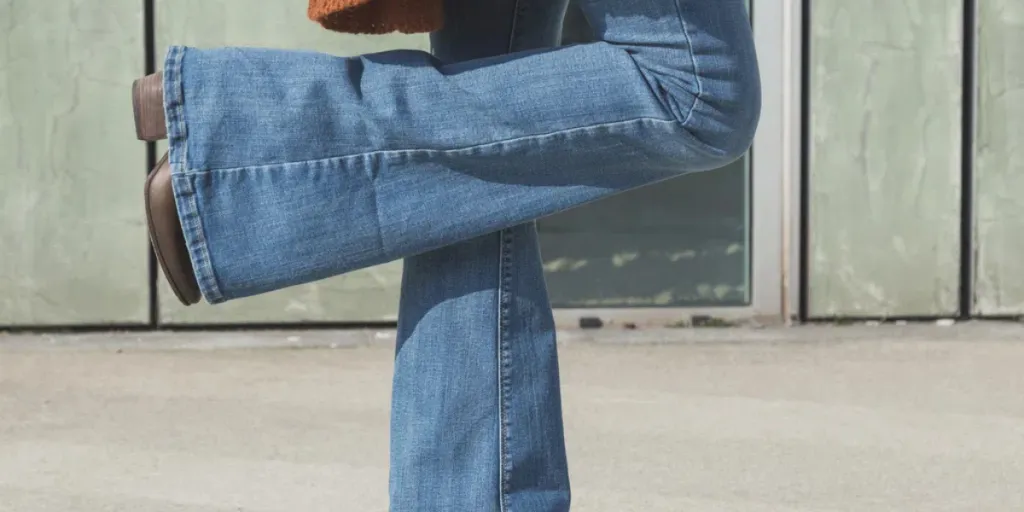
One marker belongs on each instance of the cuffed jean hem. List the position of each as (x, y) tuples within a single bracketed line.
[(185, 196)]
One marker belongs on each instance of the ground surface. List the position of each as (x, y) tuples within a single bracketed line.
[(864, 419)]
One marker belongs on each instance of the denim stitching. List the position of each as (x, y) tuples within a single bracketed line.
[(371, 180), (191, 220), (695, 145), (693, 61), (504, 364), (200, 255), (504, 300), (175, 100)]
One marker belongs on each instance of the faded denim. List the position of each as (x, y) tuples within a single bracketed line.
[(291, 167)]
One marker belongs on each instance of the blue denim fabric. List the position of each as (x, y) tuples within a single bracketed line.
[(290, 167), (476, 409)]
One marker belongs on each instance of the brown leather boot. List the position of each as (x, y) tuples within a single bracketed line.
[(148, 104), (166, 235)]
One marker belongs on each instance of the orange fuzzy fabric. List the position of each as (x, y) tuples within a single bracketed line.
[(378, 16)]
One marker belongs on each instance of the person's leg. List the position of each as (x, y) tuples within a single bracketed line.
[(476, 412), (291, 167)]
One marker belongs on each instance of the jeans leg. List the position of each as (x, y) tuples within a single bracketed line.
[(294, 166), (476, 419), (476, 409)]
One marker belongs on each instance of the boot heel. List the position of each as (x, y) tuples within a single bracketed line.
[(148, 106)]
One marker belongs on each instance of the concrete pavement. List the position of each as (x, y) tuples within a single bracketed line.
[(855, 419)]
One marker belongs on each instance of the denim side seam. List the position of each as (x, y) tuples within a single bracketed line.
[(387, 153), (504, 305), (192, 228), (185, 196), (371, 177), (504, 365)]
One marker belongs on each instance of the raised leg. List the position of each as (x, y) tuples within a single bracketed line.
[(291, 167)]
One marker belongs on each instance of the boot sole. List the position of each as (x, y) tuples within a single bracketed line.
[(187, 295)]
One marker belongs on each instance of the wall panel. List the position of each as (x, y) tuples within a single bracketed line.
[(72, 237), (999, 159), (885, 157)]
